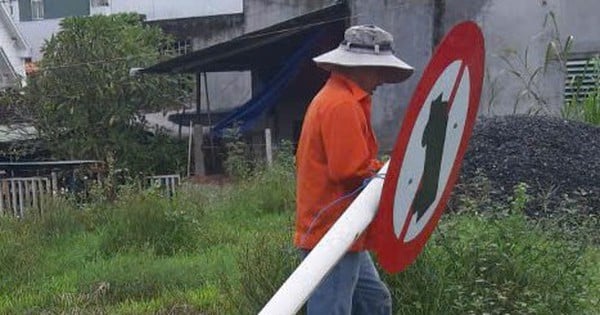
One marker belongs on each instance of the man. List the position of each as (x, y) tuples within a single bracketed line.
[(337, 151)]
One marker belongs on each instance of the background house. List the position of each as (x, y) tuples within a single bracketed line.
[(514, 30), (237, 49), (14, 52), (39, 19)]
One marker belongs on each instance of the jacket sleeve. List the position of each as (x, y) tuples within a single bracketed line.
[(344, 132)]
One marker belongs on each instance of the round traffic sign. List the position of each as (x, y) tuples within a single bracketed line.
[(429, 150)]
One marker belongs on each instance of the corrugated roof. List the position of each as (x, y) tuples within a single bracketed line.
[(20, 132), (255, 49)]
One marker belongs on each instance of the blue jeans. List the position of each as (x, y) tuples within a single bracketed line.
[(352, 287)]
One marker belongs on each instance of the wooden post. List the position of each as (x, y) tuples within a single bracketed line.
[(27, 193), (34, 194), (13, 192), (198, 154), (21, 197), (190, 146), (54, 185), (269, 147), (2, 193)]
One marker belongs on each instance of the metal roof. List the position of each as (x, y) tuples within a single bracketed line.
[(257, 49), (50, 163)]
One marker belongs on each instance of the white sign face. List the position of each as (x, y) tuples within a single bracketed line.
[(432, 150)]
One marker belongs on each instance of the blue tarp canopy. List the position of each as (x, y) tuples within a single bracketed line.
[(264, 100)]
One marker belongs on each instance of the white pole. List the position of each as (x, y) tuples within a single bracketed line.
[(190, 136), (300, 285), (269, 147)]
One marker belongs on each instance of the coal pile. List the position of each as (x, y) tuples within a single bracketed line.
[(558, 159)]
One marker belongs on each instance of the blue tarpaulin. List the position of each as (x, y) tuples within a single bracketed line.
[(247, 114)]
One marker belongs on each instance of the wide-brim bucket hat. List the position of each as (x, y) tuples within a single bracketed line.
[(367, 46)]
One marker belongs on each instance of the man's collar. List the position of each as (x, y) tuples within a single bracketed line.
[(354, 88)]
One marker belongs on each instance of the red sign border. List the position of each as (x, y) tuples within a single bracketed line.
[(463, 42)]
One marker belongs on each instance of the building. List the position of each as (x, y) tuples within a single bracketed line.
[(14, 51), (32, 22), (525, 70), (245, 56), (39, 19)]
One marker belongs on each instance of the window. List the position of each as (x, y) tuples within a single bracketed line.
[(177, 48), (37, 9), (182, 47), (583, 75), (100, 3)]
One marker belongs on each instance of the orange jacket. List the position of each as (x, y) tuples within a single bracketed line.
[(336, 152)]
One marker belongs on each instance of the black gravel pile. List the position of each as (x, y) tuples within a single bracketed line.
[(559, 160)]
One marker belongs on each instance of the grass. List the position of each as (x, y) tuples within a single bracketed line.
[(585, 102), (225, 250)]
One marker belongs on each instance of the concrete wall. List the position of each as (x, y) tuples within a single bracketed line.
[(510, 28), (36, 33), (411, 24), (580, 18)]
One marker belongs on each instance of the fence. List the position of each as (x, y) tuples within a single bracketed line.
[(168, 183), (18, 194)]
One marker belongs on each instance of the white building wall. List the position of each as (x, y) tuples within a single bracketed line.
[(37, 32), (512, 27), (166, 10), (12, 43)]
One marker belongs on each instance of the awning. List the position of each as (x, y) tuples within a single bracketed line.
[(253, 50)]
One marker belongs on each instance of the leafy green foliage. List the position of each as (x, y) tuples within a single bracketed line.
[(238, 163), (86, 105)]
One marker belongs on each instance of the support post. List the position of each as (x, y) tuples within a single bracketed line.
[(190, 148), (54, 183), (198, 138), (268, 147)]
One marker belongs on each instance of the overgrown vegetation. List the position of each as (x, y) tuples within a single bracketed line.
[(84, 104), (530, 96), (225, 250), (584, 105)]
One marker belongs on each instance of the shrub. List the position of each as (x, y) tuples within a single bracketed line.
[(477, 265), (151, 221), (265, 262)]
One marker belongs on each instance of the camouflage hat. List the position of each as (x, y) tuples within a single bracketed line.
[(367, 46)]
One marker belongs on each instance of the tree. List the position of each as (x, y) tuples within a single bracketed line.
[(85, 104)]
